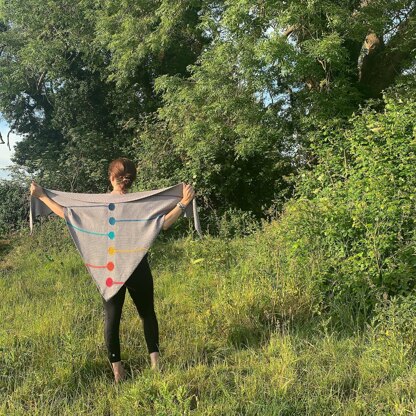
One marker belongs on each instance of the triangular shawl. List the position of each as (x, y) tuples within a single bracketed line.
[(114, 232)]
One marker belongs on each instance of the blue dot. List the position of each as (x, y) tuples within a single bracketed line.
[(112, 220), (111, 235), (111, 207)]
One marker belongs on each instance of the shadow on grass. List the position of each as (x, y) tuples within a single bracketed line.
[(92, 370)]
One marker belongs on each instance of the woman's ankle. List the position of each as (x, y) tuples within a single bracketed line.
[(118, 370), (117, 367), (154, 360)]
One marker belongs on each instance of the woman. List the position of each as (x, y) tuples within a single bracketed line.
[(122, 173)]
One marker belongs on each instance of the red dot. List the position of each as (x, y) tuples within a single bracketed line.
[(110, 265), (109, 282)]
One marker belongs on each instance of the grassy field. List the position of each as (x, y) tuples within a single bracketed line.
[(240, 335)]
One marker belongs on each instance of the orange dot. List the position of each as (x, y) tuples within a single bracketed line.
[(110, 265), (111, 250)]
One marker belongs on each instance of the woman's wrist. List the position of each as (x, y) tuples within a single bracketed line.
[(185, 202)]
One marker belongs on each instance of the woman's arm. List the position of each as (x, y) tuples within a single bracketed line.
[(172, 216), (37, 191)]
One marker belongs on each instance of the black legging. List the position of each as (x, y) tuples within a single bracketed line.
[(140, 286)]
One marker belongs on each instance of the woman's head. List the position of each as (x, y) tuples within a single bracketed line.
[(122, 172)]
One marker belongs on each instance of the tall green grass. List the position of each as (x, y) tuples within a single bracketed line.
[(244, 331)]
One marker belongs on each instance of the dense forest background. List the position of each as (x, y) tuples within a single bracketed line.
[(262, 106), (232, 96)]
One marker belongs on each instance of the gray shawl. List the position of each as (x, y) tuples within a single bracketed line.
[(114, 232)]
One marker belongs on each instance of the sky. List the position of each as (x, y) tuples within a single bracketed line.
[(5, 153)]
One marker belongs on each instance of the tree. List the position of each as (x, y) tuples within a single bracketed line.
[(227, 94), (62, 86), (272, 75)]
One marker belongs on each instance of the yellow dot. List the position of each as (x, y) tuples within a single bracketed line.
[(111, 250)]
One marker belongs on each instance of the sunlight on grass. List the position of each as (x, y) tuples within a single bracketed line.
[(237, 337)]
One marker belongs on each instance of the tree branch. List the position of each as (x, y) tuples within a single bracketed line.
[(8, 139), (41, 78), (289, 30), (380, 64)]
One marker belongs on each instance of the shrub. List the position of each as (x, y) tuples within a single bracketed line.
[(14, 205), (396, 317), (354, 212)]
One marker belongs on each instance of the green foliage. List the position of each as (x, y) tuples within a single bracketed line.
[(358, 205), (236, 223), (64, 88), (229, 144), (242, 121), (146, 38), (14, 206), (394, 318), (226, 95)]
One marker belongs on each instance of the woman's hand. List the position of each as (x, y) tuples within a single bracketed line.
[(188, 194), (36, 190)]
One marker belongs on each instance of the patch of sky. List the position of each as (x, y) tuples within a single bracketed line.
[(397, 19), (5, 152)]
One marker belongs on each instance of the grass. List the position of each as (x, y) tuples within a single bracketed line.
[(238, 337)]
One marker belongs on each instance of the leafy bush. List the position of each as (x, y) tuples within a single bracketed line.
[(395, 317), (355, 210), (236, 222), (14, 205)]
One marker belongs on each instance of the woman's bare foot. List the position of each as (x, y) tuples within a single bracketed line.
[(154, 361), (119, 372)]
